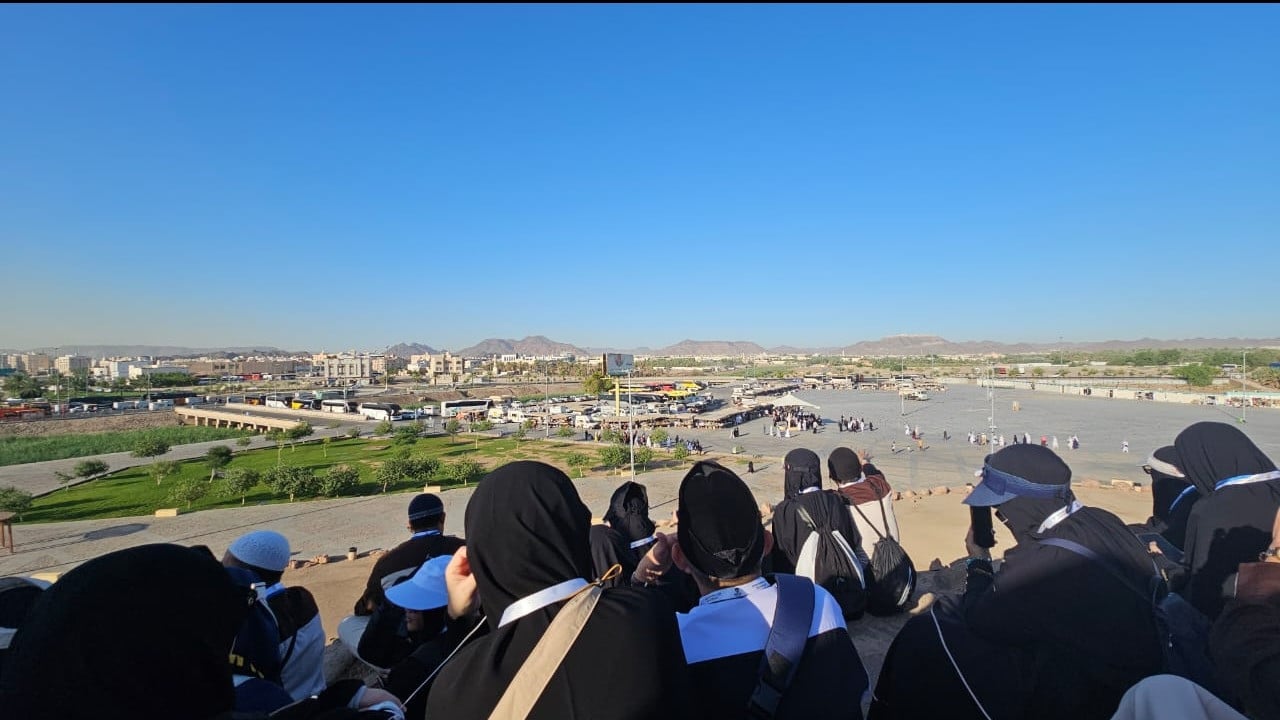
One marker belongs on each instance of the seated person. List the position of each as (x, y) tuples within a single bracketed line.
[(1172, 496), (865, 488), (265, 553), (1054, 634), (427, 540), (720, 545), (1245, 641), (17, 595), (1231, 523)]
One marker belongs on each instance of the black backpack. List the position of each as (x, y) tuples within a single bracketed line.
[(892, 572), (829, 560)]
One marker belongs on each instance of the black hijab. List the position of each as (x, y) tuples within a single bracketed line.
[(1210, 452), (138, 633), (802, 469), (629, 512), (1040, 465), (1228, 525), (527, 530)]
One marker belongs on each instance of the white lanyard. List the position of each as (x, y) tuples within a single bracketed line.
[(1248, 479), (541, 599), (862, 478), (733, 593), (425, 533), (1059, 516), (643, 541), (806, 491), (266, 592)]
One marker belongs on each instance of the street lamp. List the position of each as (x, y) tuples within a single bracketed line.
[(1244, 389)]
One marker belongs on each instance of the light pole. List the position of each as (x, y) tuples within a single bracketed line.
[(546, 398), (1244, 389)]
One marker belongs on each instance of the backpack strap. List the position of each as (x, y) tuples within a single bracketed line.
[(532, 677), (792, 617), (871, 524), (1071, 545)]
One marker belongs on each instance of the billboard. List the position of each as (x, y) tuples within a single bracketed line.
[(616, 364)]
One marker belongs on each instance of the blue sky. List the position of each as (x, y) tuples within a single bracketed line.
[(335, 177)]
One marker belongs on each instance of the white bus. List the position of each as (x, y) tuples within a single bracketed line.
[(380, 411), (339, 406), (469, 406)]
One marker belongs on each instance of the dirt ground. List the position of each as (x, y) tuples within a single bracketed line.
[(88, 424)]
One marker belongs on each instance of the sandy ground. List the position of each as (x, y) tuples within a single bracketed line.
[(81, 424)]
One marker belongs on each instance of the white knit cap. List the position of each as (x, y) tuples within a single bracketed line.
[(266, 549)]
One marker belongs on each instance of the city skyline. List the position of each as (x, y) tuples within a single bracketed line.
[(618, 176)]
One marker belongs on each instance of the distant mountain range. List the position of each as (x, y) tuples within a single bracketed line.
[(406, 350), (536, 345), (540, 346)]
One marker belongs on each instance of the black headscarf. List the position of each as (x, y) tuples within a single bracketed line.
[(1228, 525), (138, 633), (802, 470), (1210, 452), (629, 512), (527, 530), (1040, 465), (843, 465)]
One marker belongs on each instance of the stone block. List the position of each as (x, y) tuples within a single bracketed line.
[(1090, 483), (908, 494), (320, 559), (1119, 484), (968, 488), (940, 490), (433, 489), (168, 512)]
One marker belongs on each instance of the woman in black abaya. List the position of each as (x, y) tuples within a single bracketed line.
[(1053, 634), (627, 536), (1231, 524), (528, 549)]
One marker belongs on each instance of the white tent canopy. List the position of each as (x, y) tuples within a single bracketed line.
[(790, 400)]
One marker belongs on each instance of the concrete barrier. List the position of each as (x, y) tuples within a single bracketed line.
[(168, 512)]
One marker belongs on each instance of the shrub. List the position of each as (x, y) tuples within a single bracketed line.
[(188, 491), (15, 501), (245, 441), (578, 462), (163, 469), (462, 472), (482, 425), (659, 436), (680, 453), (644, 455), (614, 456), (291, 480), (150, 447), (564, 431), (237, 482), (383, 428), (338, 480), (89, 468)]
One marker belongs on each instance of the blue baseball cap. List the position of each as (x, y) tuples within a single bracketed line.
[(426, 589), (1000, 486)]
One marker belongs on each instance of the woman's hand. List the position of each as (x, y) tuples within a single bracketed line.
[(461, 585)]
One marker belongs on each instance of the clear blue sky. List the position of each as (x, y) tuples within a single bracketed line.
[(336, 177)]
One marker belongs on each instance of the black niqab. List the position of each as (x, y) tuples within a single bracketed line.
[(138, 633), (1210, 452), (1040, 465)]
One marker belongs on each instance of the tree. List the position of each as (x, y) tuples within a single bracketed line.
[(237, 482), (659, 436), (614, 456), (64, 478), (298, 432), (244, 441), (452, 428), (462, 472), (482, 425), (405, 435), (383, 428), (564, 431), (291, 480), (1038, 372), (520, 432), (644, 455), (1198, 375), (596, 383), (325, 443), (353, 432), (188, 491), (680, 453), (578, 462), (89, 468), (338, 480), (150, 447), (217, 457), (163, 469), (392, 472), (15, 501)]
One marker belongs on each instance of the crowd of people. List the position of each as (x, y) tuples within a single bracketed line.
[(999, 441), (742, 611)]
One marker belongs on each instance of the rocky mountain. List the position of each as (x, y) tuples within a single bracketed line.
[(405, 350), (535, 345), (710, 348)]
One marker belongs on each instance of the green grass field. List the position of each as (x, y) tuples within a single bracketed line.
[(134, 492), (20, 450)]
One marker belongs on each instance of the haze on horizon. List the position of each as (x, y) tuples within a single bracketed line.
[(352, 176)]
